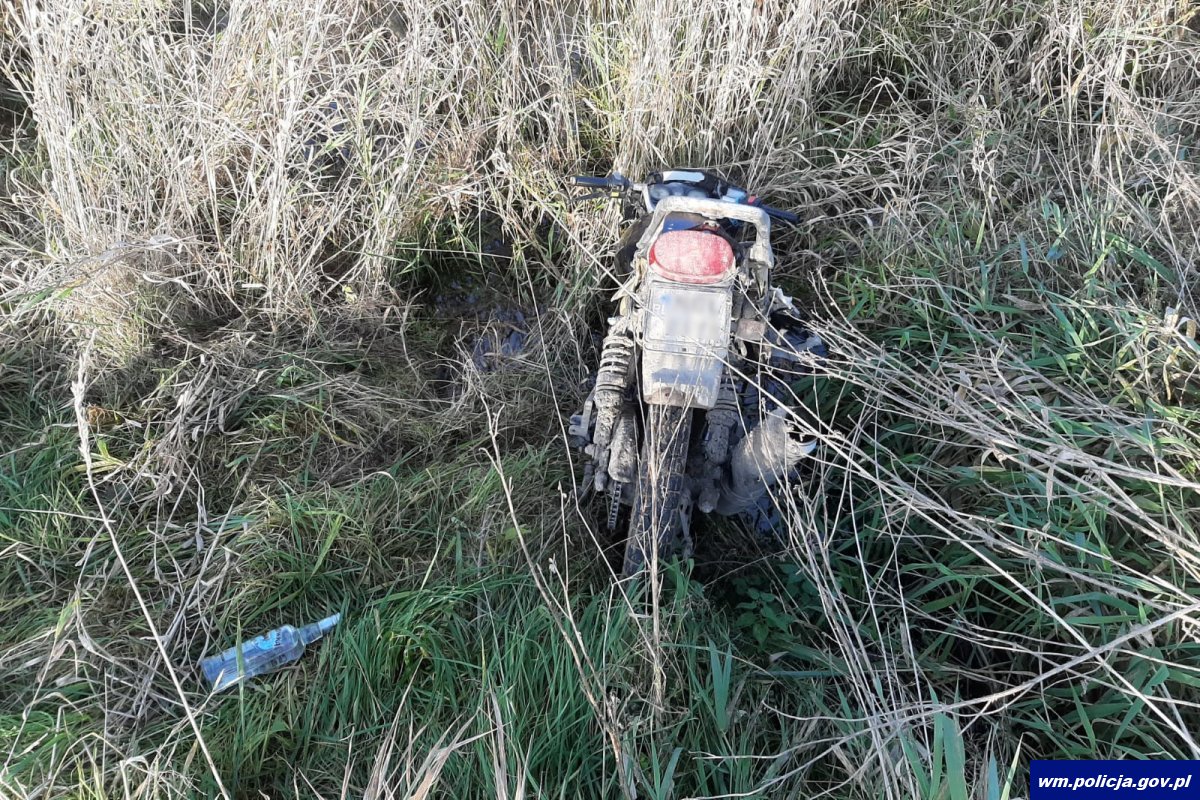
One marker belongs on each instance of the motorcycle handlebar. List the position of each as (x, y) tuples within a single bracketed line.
[(617, 181)]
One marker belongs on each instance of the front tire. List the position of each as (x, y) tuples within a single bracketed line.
[(655, 525)]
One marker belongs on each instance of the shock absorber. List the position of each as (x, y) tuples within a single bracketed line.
[(611, 379), (613, 375), (721, 420)]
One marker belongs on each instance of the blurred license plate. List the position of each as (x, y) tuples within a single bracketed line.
[(688, 317)]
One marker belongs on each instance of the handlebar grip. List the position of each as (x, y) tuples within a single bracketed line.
[(780, 214), (594, 182)]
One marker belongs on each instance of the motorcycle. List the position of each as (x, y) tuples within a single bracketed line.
[(687, 408)]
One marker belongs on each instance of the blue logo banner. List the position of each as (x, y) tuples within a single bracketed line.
[(1114, 780)]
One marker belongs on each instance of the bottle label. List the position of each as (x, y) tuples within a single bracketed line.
[(267, 641)]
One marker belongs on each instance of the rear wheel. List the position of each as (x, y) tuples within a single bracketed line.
[(655, 525)]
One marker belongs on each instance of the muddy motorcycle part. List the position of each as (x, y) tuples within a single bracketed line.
[(655, 524)]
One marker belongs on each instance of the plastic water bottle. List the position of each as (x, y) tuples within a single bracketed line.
[(263, 654)]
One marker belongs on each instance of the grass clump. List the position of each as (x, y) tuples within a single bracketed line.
[(249, 249)]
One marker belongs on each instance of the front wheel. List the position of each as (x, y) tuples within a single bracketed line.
[(655, 525)]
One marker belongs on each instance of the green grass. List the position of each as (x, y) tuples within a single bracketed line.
[(993, 558)]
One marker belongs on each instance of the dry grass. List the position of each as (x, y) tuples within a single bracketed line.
[(230, 397)]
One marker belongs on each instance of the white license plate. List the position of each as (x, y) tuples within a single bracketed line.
[(691, 318)]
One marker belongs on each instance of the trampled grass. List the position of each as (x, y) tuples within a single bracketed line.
[(248, 248)]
